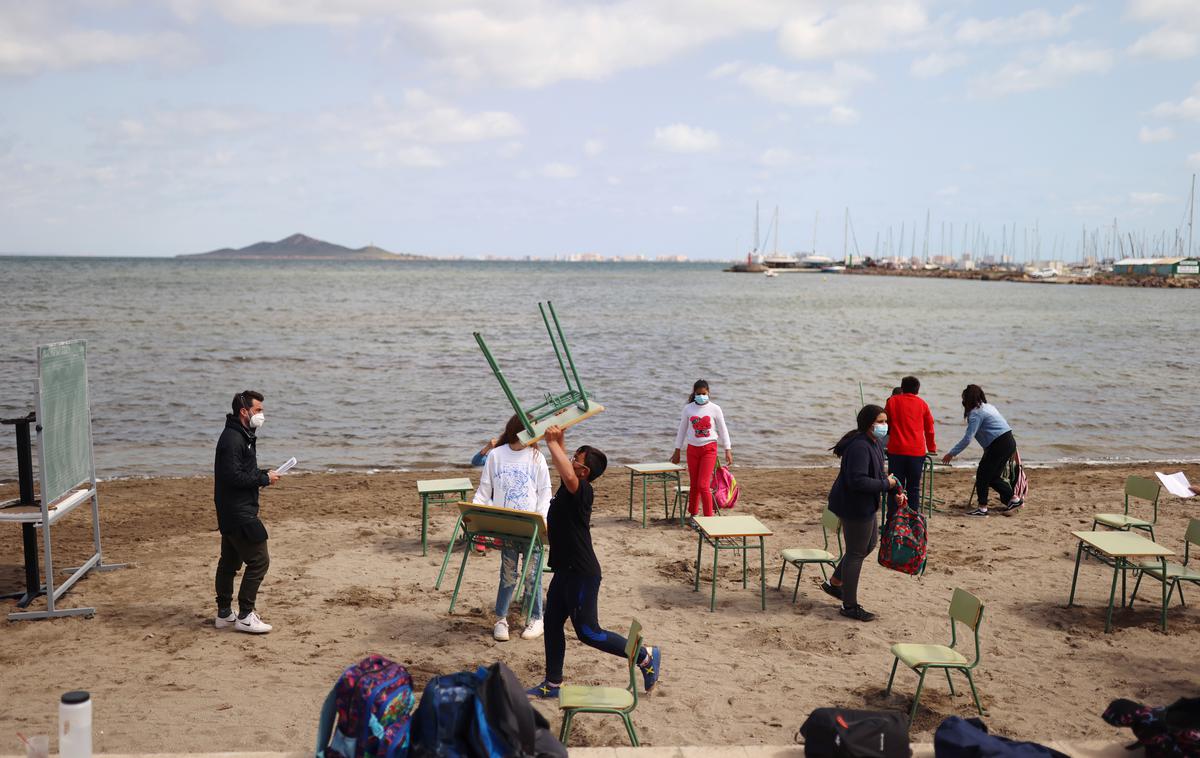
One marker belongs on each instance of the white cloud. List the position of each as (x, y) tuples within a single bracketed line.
[(1027, 26), (776, 157), (1159, 134), (936, 64), (681, 210), (593, 147), (1188, 108), (410, 156), (426, 119), (681, 138), (1150, 198), (559, 171), (1048, 68), (830, 30), (798, 88), (33, 39), (948, 191), (842, 115), (1177, 37), (1193, 160)]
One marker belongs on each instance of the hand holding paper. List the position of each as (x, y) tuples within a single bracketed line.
[(1177, 484), (286, 467)]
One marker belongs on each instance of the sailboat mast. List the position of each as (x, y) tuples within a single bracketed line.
[(846, 236), (1191, 214), (816, 220)]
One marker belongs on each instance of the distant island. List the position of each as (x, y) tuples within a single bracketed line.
[(302, 247)]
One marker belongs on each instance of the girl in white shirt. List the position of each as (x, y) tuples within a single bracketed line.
[(702, 425), (516, 477)]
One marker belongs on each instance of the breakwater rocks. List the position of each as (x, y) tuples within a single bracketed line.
[(1110, 280)]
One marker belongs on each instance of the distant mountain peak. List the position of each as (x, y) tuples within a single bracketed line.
[(302, 247)]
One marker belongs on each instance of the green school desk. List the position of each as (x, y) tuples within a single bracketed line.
[(730, 533), (521, 530), (653, 472), (439, 492), (1121, 550)]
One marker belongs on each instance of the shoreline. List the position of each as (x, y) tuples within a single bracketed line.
[(1101, 280)]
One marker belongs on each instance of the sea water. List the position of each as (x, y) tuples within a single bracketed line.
[(372, 365)]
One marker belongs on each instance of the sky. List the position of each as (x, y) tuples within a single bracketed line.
[(545, 127)]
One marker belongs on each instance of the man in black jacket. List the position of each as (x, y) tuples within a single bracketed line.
[(237, 479)]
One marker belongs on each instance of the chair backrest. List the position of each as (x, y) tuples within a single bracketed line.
[(831, 523), (966, 609), (1191, 537), (633, 644), (1142, 489)]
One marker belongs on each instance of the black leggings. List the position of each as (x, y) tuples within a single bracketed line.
[(576, 597), (991, 469)]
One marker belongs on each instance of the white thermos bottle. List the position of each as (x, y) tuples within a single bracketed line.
[(75, 725)]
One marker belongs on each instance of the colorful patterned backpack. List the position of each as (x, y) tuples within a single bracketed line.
[(902, 543), (372, 703), (725, 489)]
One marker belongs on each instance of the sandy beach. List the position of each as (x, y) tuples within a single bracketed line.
[(347, 578)]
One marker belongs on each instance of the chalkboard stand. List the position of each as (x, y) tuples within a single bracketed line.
[(33, 582)]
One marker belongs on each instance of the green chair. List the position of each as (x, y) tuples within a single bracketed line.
[(1140, 489), (619, 701), (965, 608), (1176, 572), (801, 556), (682, 493)]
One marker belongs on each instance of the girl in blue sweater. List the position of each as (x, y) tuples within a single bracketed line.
[(995, 436)]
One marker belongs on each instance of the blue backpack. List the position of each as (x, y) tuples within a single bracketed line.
[(968, 738), (372, 704)]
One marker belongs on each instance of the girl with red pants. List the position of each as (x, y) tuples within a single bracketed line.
[(703, 426)]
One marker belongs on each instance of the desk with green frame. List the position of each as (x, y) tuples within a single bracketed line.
[(654, 472), (731, 533), (929, 502), (521, 530), (439, 492), (1124, 552)]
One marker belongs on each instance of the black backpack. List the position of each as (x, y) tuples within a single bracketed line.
[(846, 733)]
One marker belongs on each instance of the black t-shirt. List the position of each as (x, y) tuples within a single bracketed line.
[(570, 525)]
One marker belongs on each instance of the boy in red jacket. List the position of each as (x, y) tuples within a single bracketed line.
[(910, 436)]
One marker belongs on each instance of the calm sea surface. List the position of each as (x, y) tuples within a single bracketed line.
[(372, 365)]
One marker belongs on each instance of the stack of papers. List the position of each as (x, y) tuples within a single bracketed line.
[(1177, 484)]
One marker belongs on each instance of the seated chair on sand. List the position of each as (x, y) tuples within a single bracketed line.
[(1176, 572), (618, 701), (966, 609), (564, 409), (800, 556), (1140, 489)]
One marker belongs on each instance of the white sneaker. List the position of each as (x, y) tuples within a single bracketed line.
[(500, 631), (252, 624), (533, 631), (224, 622)]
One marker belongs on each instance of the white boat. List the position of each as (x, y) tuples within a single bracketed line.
[(1044, 273), (770, 273)]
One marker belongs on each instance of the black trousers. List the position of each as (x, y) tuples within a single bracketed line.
[(861, 537), (908, 470), (991, 469), (237, 549), (576, 597)]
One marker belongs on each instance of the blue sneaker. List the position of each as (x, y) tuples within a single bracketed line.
[(653, 671), (545, 690)]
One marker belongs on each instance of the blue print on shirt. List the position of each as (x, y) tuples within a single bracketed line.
[(518, 487)]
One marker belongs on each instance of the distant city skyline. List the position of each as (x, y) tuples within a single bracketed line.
[(544, 128)]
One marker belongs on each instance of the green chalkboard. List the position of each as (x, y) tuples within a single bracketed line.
[(63, 418)]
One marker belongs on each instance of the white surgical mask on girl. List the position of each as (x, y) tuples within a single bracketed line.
[(880, 431), (701, 399), (257, 421)]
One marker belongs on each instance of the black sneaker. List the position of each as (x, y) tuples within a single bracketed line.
[(1012, 505), (832, 590), (858, 613), (978, 512)]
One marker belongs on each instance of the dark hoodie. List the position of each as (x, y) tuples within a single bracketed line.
[(237, 477), (860, 480)]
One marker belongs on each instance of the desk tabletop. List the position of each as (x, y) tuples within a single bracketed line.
[(1124, 544), (654, 468), (732, 526), (431, 486)]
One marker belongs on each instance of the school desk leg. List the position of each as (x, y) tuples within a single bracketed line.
[(1165, 599), (743, 563), (666, 507), (712, 602), (699, 550), (424, 522), (1075, 576), (462, 569), (762, 570), (631, 495), (643, 502), (450, 549), (1112, 596), (527, 603)]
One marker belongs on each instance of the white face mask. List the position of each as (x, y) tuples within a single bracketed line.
[(257, 420)]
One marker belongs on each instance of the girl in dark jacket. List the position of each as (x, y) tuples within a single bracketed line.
[(854, 497)]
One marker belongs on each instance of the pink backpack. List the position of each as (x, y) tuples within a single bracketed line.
[(725, 489)]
